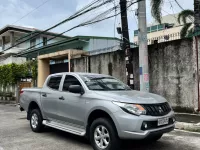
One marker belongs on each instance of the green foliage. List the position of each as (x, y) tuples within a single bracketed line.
[(186, 31), (184, 15), (156, 12), (11, 73)]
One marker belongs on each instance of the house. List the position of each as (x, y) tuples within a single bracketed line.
[(11, 36), (55, 57), (167, 31)]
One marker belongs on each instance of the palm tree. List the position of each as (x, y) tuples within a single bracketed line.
[(182, 17), (156, 12), (156, 6)]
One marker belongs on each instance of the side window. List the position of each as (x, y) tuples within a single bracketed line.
[(54, 82), (70, 80)]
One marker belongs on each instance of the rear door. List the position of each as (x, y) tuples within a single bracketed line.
[(50, 97), (71, 107)]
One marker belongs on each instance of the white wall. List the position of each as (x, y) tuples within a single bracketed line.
[(9, 60), (96, 44)]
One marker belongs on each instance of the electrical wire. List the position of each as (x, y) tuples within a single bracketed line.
[(91, 21), (179, 4), (170, 14), (31, 12), (87, 23), (68, 19), (183, 9), (134, 17), (171, 6), (84, 10)]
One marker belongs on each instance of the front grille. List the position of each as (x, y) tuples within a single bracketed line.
[(157, 109)]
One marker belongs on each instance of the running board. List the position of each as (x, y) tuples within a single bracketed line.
[(66, 128)]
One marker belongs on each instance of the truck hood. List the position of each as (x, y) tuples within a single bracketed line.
[(132, 96)]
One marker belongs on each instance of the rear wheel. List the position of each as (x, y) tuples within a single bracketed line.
[(103, 135), (36, 120)]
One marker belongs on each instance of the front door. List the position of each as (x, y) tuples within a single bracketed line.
[(71, 107), (50, 97)]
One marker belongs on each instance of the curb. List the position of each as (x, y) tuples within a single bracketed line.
[(188, 126), (8, 103)]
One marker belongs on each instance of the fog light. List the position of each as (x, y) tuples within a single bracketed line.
[(145, 125), (174, 119)]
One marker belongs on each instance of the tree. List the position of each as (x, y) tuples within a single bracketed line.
[(182, 17), (156, 6)]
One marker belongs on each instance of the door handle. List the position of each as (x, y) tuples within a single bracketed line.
[(61, 98), (44, 95)]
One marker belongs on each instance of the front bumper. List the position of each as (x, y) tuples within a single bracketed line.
[(129, 126)]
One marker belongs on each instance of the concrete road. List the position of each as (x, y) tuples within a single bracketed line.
[(15, 134)]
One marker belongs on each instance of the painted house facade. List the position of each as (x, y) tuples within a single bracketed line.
[(11, 36)]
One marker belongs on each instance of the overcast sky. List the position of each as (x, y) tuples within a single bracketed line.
[(54, 11)]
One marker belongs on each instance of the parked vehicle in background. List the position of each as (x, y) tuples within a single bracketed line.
[(99, 107)]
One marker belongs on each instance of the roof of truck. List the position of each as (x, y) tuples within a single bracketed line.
[(79, 73)]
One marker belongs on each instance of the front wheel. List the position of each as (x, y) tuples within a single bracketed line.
[(36, 120), (103, 135)]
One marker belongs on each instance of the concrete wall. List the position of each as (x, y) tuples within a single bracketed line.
[(172, 75), (171, 67), (108, 63)]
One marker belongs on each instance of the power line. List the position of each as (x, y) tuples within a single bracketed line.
[(30, 12), (97, 18), (183, 9), (170, 14), (68, 19), (179, 4), (77, 14), (171, 6), (86, 23), (134, 17)]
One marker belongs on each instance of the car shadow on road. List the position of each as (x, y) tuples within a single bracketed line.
[(126, 145), (166, 143)]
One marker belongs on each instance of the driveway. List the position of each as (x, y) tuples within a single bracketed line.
[(15, 134)]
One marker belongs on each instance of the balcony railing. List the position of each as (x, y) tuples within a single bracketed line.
[(161, 39)]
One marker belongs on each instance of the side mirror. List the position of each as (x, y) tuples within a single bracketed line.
[(76, 89)]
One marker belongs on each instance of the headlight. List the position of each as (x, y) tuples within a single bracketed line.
[(131, 108)]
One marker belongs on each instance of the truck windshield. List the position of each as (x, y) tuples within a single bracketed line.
[(103, 83)]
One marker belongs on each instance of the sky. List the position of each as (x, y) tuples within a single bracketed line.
[(54, 11)]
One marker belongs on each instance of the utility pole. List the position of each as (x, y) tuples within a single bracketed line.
[(143, 47), (126, 43), (196, 15), (196, 32)]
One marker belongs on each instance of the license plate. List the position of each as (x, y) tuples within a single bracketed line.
[(163, 121)]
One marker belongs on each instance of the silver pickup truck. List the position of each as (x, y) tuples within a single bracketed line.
[(99, 107)]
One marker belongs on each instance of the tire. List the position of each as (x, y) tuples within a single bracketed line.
[(36, 121), (108, 133)]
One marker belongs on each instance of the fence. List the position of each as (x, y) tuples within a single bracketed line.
[(161, 39), (8, 93), (11, 92)]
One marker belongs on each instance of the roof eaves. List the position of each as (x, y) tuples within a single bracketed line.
[(49, 45), (97, 37)]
